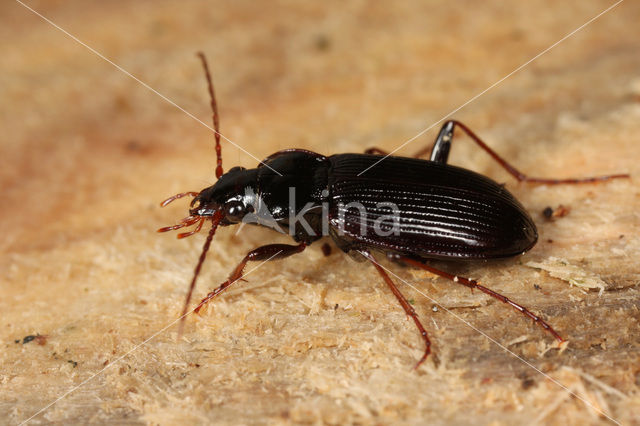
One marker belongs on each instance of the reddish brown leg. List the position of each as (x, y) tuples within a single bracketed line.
[(441, 145), (376, 151), (440, 153), (474, 284), (175, 197), (424, 151), (405, 304), (268, 252)]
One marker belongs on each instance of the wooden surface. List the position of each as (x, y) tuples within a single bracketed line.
[(87, 153)]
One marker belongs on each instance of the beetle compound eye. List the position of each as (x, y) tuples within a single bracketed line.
[(234, 210)]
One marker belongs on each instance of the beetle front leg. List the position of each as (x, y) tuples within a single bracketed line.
[(403, 302), (264, 253), (474, 284)]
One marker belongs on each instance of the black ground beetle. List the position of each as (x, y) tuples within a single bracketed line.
[(408, 208)]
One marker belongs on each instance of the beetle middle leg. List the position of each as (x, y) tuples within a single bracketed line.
[(403, 301), (263, 253), (376, 151), (474, 284), (439, 150)]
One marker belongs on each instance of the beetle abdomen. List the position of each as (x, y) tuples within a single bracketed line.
[(424, 208)]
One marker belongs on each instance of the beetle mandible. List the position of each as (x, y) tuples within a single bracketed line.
[(411, 209)]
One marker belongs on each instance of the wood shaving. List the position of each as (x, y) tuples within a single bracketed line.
[(574, 275)]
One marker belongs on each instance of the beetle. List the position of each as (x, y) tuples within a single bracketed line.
[(410, 209)]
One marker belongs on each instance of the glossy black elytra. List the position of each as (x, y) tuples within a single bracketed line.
[(408, 208)]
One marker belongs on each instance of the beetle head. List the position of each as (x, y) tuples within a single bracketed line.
[(233, 195)]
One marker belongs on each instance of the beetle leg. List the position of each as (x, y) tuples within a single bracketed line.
[(175, 197), (264, 253), (474, 284), (403, 302), (439, 150), (376, 151), (440, 153), (442, 145)]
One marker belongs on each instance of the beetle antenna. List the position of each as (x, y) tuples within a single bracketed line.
[(217, 217), (216, 117)]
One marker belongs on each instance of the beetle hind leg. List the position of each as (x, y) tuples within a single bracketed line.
[(473, 284), (441, 148), (442, 145)]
